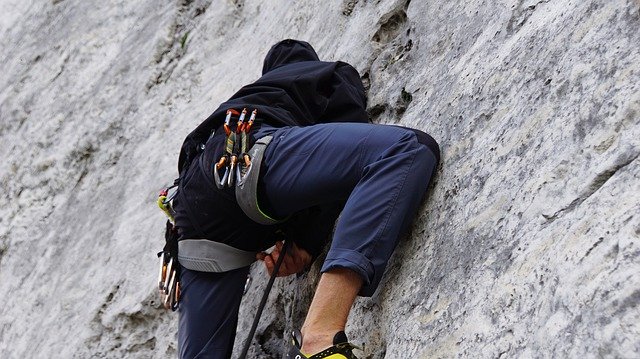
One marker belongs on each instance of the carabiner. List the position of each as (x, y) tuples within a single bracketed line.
[(242, 174), (231, 171), (220, 183)]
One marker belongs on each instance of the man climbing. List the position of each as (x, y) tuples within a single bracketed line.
[(320, 157)]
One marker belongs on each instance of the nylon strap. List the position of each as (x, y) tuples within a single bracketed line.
[(247, 185)]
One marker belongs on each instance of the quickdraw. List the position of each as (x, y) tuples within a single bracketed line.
[(169, 272), (235, 160), (169, 281)]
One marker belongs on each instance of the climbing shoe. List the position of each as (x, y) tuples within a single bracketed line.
[(341, 348)]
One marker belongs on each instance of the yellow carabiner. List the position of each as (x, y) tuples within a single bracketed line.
[(165, 207)]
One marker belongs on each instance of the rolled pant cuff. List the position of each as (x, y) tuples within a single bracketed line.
[(355, 261)]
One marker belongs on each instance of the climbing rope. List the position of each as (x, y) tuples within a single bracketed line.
[(263, 301)]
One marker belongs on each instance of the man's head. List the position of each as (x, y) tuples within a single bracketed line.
[(287, 52)]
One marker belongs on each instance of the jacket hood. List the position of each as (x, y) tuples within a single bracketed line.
[(287, 52)]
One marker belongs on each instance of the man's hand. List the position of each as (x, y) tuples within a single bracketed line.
[(295, 261)]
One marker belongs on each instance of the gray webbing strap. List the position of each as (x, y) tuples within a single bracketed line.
[(247, 185), (209, 256)]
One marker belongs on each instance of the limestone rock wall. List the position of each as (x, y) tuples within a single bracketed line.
[(527, 245)]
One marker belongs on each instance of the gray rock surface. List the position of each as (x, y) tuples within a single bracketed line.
[(527, 246)]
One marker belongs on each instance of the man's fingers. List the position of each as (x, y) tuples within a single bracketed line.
[(302, 258), (294, 264), (297, 262), (284, 268), (275, 254), (268, 262), (288, 266), (294, 261)]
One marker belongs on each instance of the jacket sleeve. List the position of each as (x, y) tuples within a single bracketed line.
[(348, 100)]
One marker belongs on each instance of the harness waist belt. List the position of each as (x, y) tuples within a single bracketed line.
[(204, 255)]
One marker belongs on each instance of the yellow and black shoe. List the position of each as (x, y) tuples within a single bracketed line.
[(341, 348)]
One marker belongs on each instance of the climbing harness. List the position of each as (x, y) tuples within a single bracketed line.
[(238, 166)]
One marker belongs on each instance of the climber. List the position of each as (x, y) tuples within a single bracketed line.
[(323, 159)]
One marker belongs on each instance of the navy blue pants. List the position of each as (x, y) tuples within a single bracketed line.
[(381, 174)]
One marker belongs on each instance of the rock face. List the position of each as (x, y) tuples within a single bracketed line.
[(527, 246)]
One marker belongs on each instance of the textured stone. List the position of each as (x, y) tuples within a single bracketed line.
[(527, 245)]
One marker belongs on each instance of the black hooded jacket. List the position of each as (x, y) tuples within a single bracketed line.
[(296, 89)]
